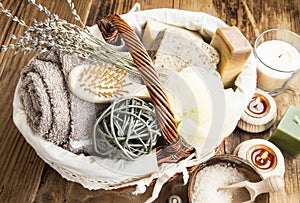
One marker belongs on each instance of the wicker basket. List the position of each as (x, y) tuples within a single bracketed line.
[(174, 149), (174, 158)]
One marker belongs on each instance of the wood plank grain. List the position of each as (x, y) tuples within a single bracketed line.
[(20, 167), (16, 169), (271, 14), (100, 9), (52, 188), (55, 189)]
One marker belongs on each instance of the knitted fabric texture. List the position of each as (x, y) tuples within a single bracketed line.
[(52, 110)]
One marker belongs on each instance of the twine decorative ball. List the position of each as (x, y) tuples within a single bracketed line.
[(129, 125)]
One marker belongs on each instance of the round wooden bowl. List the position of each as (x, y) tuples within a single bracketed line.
[(242, 166)]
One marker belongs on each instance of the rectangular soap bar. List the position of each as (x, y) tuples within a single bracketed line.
[(176, 48), (234, 50), (287, 134), (151, 31)]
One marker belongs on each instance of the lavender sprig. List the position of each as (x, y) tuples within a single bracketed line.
[(40, 7), (58, 33), (10, 15), (74, 12), (92, 37)]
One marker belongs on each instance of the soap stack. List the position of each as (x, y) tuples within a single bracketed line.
[(177, 48)]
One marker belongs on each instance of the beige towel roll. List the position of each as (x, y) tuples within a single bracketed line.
[(45, 98), (52, 110)]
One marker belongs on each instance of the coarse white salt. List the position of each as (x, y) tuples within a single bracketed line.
[(210, 178)]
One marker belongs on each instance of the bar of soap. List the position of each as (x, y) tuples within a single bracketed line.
[(177, 48), (234, 50), (287, 134), (151, 31)]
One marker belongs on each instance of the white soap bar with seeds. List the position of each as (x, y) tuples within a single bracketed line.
[(177, 48)]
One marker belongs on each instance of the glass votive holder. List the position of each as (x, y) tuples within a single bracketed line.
[(278, 59)]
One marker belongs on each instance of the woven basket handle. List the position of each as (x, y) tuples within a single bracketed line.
[(165, 116)]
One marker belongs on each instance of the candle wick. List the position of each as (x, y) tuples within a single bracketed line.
[(264, 155), (283, 52), (256, 102), (296, 119)]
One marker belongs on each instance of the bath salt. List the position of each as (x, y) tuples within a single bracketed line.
[(209, 179)]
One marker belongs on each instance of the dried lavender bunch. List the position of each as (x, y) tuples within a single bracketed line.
[(57, 33)]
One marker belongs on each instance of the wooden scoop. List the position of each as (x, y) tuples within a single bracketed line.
[(270, 184)]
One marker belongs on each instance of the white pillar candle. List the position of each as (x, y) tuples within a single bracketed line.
[(277, 62)]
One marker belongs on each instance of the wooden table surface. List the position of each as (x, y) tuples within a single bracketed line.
[(24, 177)]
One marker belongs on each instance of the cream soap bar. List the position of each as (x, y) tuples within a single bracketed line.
[(234, 50), (177, 48), (287, 134), (151, 31)]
